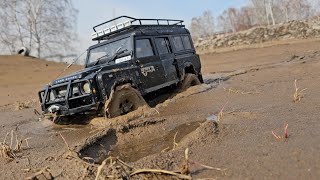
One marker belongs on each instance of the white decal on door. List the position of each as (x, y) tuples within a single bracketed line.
[(147, 70)]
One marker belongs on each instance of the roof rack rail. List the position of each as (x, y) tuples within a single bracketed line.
[(98, 35)]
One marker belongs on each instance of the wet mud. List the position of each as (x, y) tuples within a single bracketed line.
[(257, 92), (132, 150)]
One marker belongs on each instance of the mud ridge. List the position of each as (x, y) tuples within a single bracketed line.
[(171, 160), (136, 124)]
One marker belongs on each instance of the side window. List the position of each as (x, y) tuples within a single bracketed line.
[(144, 48), (186, 42), (163, 45), (178, 43)]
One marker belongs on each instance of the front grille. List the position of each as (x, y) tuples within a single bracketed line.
[(80, 101)]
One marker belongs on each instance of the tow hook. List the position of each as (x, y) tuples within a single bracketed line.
[(53, 109)]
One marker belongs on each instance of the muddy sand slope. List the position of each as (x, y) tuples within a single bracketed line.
[(253, 88), (21, 77)]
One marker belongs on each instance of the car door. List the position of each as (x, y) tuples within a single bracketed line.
[(167, 58), (152, 74)]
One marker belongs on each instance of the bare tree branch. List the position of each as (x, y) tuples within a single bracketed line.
[(45, 26)]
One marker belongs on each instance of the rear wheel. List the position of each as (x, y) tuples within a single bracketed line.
[(123, 100), (189, 80)]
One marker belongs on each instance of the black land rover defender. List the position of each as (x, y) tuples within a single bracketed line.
[(131, 59)]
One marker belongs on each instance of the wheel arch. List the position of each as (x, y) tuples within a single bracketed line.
[(187, 68)]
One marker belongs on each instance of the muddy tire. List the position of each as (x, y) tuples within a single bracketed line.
[(123, 100), (189, 80)]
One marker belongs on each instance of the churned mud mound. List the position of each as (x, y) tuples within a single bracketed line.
[(147, 152), (101, 145), (168, 98), (137, 139)]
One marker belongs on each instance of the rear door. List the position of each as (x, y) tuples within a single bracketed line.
[(167, 57), (152, 74)]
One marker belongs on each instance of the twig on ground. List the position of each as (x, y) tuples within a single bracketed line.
[(298, 94), (157, 111), (175, 144), (220, 115), (276, 136), (64, 140), (11, 142), (123, 163), (186, 166), (285, 134), (104, 162), (180, 176), (42, 172), (36, 112), (165, 149)]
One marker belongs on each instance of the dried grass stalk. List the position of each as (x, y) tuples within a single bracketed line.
[(220, 115), (175, 144), (285, 133), (298, 94), (45, 172), (9, 151)]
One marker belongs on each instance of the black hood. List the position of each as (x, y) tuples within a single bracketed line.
[(77, 75), (89, 71)]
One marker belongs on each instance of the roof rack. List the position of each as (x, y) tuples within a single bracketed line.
[(130, 21)]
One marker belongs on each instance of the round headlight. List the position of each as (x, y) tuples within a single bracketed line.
[(86, 88)]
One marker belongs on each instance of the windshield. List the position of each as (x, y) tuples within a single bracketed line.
[(109, 49)]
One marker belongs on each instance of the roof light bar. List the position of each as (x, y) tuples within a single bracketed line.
[(94, 35), (127, 23), (107, 31), (111, 29), (139, 22)]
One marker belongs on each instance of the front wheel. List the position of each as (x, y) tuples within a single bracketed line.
[(123, 100), (189, 80)]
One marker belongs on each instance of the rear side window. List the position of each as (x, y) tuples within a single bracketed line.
[(178, 43), (186, 42), (144, 48), (163, 45)]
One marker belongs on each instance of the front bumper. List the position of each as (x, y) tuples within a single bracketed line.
[(64, 111), (70, 104)]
